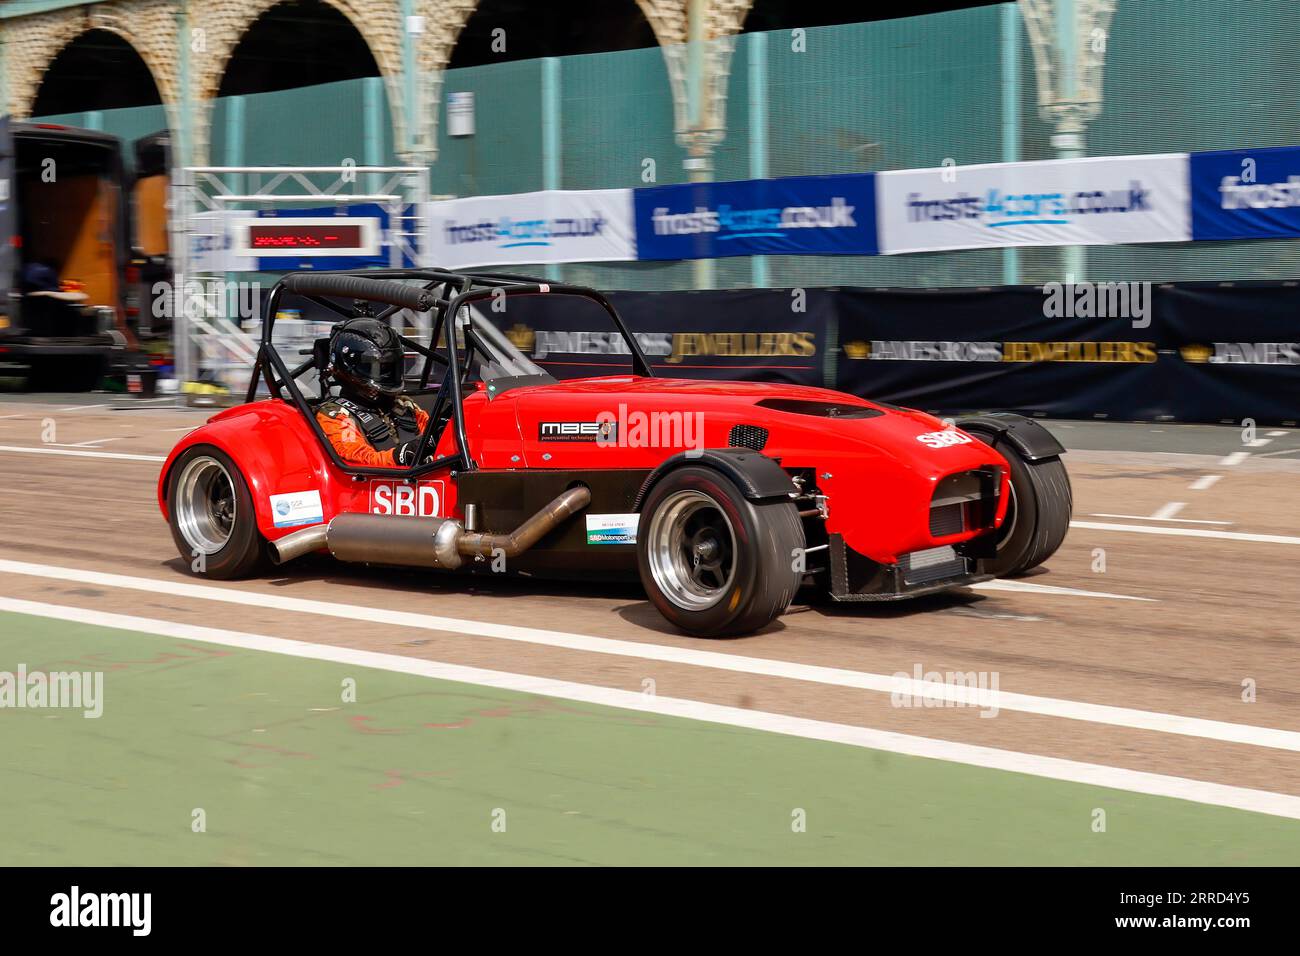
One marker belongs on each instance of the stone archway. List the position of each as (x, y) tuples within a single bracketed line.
[(218, 25), (32, 43)]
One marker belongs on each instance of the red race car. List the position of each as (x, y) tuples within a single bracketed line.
[(724, 498)]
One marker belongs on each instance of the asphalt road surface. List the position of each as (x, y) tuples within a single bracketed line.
[(1157, 653)]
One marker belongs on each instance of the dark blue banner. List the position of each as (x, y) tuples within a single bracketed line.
[(308, 261), (1246, 193), (798, 215)]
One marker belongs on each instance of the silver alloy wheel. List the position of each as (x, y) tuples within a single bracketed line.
[(1009, 522), (205, 505), (691, 550)]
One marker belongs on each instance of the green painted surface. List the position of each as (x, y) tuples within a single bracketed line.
[(413, 772)]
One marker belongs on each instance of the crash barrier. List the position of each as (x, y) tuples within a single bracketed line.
[(1111, 200), (1132, 351)]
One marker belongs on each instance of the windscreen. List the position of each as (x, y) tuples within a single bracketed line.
[(566, 336)]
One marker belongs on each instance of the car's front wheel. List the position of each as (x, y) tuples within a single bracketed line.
[(713, 562), (1038, 509), (210, 511)]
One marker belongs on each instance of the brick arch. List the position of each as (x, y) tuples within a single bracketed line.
[(445, 19), (225, 22), (668, 18), (148, 26)]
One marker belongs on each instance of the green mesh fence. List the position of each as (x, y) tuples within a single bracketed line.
[(1180, 75), (505, 153), (128, 124), (310, 126)]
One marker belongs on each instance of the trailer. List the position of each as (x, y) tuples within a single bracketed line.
[(66, 230)]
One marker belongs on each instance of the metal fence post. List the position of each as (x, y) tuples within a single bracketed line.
[(372, 115), (551, 138), (758, 132), (1010, 118)]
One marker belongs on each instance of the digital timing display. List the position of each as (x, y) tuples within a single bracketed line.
[(304, 237)]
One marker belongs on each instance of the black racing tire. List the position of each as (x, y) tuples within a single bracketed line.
[(210, 513), (1038, 515), (714, 563)]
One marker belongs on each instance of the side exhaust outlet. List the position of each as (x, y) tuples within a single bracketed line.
[(423, 542)]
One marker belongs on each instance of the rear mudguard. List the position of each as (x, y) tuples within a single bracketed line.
[(273, 448)]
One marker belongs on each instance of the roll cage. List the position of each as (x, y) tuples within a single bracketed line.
[(442, 294)]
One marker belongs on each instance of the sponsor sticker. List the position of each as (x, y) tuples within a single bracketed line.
[(576, 431), (298, 507), (420, 500), (944, 439), (612, 529)]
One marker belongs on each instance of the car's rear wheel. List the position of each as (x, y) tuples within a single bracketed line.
[(210, 511), (713, 562), (1038, 509)]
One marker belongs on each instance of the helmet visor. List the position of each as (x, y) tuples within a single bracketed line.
[(382, 371)]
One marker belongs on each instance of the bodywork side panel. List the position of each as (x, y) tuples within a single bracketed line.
[(277, 453)]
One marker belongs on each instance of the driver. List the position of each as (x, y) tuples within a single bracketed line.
[(371, 423)]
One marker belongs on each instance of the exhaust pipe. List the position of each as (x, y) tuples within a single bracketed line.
[(482, 544), (423, 542), (298, 543)]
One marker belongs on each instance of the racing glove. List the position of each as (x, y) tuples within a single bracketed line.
[(404, 454)]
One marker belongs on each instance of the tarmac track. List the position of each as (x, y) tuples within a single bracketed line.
[(1182, 622)]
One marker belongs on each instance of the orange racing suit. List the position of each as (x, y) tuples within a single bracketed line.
[(368, 436)]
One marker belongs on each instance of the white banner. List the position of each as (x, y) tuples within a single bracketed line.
[(212, 244), (1060, 202), (593, 225)]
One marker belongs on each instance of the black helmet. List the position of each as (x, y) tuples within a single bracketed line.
[(367, 359)]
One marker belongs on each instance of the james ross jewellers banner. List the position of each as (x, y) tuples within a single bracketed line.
[(1099, 201), (771, 335), (1118, 350), (592, 225)]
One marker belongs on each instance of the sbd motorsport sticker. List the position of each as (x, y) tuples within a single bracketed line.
[(612, 529)]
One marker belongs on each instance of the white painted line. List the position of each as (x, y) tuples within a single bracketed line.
[(1026, 587), (92, 443), (1102, 514), (74, 453), (1189, 532), (690, 656), (81, 408), (1236, 458), (10, 416), (1204, 482), (1167, 511), (1259, 442), (1053, 768), (1276, 434)]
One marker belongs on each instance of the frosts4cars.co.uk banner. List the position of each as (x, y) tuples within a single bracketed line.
[(1101, 201), (1246, 194), (807, 215), (590, 225)]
